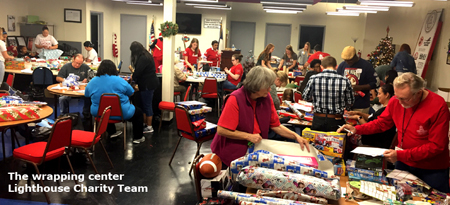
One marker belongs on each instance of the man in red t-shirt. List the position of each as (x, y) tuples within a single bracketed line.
[(422, 121), (318, 54)]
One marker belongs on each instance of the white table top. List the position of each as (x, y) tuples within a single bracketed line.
[(191, 79)]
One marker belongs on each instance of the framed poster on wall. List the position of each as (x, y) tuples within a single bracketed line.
[(72, 15)]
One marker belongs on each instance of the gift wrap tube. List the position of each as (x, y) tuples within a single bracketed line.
[(262, 158), (290, 195), (241, 198), (269, 179)]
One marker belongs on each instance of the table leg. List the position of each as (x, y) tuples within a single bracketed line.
[(56, 107)]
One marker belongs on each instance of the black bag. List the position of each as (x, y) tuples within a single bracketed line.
[(41, 133), (75, 117)]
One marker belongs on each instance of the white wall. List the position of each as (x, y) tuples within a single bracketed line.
[(338, 30), (405, 25), (18, 9)]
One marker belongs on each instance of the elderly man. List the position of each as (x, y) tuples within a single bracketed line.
[(77, 67), (422, 120), (247, 116), (362, 76)]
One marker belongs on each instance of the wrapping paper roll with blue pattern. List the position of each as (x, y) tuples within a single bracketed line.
[(248, 199)]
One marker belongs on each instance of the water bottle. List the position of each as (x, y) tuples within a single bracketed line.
[(233, 48)]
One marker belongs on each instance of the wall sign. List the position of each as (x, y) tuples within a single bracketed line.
[(427, 41), (72, 15), (212, 23)]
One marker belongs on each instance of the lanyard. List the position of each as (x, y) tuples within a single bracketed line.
[(403, 121)]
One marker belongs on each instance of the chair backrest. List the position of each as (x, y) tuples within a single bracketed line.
[(299, 79), (60, 136), (209, 86), (297, 96), (103, 124), (42, 76), (183, 120), (10, 79), (186, 96), (110, 100), (280, 96)]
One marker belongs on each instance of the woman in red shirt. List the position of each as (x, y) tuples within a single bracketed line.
[(192, 55), (235, 73), (212, 54)]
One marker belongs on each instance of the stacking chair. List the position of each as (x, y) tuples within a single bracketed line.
[(186, 130), (112, 100), (170, 106), (299, 79), (10, 79), (58, 144), (87, 140), (42, 78), (210, 91), (297, 96)]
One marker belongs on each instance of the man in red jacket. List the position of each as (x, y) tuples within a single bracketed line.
[(422, 120), (157, 51)]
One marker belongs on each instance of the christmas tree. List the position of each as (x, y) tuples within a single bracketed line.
[(384, 52)]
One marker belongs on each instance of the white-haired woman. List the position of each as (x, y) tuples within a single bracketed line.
[(248, 115)]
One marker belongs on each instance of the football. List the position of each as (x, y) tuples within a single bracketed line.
[(210, 165)]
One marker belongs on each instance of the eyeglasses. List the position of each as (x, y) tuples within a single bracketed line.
[(233, 59), (406, 99)]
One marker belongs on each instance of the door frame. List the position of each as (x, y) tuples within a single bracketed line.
[(101, 36), (300, 33), (265, 37), (254, 36), (120, 36)]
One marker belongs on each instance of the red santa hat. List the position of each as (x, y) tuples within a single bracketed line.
[(160, 35)]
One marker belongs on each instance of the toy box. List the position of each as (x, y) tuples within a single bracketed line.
[(209, 187), (329, 143), (339, 168), (364, 174)]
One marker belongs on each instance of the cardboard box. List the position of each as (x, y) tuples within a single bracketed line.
[(209, 187), (339, 169), (364, 174), (328, 143)]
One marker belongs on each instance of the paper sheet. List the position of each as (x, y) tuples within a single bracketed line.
[(58, 87), (370, 151), (26, 71), (291, 148)]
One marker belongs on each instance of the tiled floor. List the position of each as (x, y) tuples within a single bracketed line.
[(145, 164)]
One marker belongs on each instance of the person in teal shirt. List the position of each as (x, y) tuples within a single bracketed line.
[(108, 81)]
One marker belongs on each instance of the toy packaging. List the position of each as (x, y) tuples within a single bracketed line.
[(364, 174), (209, 187), (269, 179), (191, 105), (338, 164), (203, 109), (249, 199), (329, 143), (369, 162), (378, 191), (262, 158)]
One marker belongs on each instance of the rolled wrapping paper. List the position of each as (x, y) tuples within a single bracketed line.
[(262, 158), (204, 109), (241, 198), (290, 195), (298, 113), (269, 179)]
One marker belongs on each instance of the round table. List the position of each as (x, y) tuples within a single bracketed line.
[(197, 80), (45, 111), (65, 92), (27, 72)]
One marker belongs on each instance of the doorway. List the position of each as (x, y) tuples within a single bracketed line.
[(132, 28), (242, 36), (280, 36), (97, 32)]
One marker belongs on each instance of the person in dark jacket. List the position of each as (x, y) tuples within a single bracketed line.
[(403, 61), (145, 77), (315, 66)]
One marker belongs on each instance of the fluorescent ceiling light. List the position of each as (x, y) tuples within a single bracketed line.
[(342, 14), (286, 3), (283, 8), (388, 3), (206, 7), (146, 4), (367, 8), (206, 1), (356, 11), (209, 5), (281, 11)]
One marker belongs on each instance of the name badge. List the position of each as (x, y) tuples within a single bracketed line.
[(398, 148)]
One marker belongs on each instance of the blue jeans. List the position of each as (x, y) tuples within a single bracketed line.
[(64, 102), (436, 178), (147, 99), (228, 85)]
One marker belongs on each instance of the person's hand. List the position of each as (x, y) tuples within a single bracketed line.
[(131, 68), (354, 117), (348, 127), (353, 112), (10, 58), (226, 69), (254, 138), (85, 80), (390, 155), (302, 141)]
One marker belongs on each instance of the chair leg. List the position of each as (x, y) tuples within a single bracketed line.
[(160, 121), (71, 168), (176, 147), (42, 183), (218, 107), (13, 132), (90, 159), (107, 155), (199, 145), (124, 135)]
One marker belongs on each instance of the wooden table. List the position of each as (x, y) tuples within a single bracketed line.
[(64, 92), (45, 111), (55, 72)]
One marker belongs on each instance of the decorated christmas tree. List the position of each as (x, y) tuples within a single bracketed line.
[(384, 52)]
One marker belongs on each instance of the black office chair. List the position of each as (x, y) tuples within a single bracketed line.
[(42, 78)]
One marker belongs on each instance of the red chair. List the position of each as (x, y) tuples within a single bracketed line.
[(86, 140), (10, 79), (210, 91), (56, 146), (169, 106), (299, 79), (280, 96), (112, 100), (297, 96), (186, 130)]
